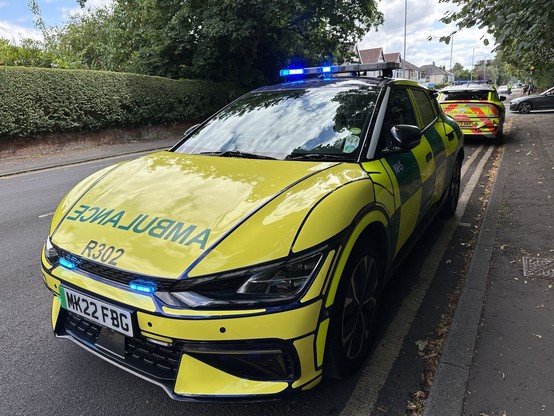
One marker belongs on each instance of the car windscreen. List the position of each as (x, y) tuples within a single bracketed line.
[(317, 123), (465, 95)]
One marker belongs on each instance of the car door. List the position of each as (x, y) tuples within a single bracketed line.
[(411, 171), (545, 101), (433, 129)]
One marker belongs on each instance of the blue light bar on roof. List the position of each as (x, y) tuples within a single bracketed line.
[(335, 69), (288, 72)]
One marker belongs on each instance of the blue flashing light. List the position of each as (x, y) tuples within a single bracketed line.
[(143, 286), (68, 264), (384, 67), (296, 71), (318, 70), (287, 72)]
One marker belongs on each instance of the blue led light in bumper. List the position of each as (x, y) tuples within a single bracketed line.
[(144, 286), (68, 264)]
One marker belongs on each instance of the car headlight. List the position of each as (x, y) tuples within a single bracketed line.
[(272, 284), (51, 253)]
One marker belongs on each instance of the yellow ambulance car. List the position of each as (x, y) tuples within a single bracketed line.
[(247, 262), (477, 108)]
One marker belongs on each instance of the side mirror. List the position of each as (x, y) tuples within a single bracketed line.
[(404, 137)]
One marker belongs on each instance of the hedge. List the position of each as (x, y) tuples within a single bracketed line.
[(35, 101)]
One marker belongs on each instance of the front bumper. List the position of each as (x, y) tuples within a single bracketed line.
[(202, 355)]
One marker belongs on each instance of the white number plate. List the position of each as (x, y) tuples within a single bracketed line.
[(97, 311)]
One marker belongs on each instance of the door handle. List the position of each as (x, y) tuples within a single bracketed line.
[(428, 157)]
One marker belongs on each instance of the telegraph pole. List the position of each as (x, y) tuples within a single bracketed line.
[(404, 56)]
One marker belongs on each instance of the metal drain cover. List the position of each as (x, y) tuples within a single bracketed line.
[(538, 267)]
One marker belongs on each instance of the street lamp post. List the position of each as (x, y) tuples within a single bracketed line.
[(404, 56), (472, 65), (451, 39), (451, 49), (485, 69)]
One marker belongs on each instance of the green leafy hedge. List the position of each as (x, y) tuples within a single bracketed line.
[(35, 101)]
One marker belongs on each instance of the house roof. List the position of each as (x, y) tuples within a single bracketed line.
[(374, 55), (411, 66), (371, 56), (433, 70), (392, 57)]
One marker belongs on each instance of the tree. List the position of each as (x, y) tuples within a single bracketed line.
[(460, 73), (486, 70), (521, 29), (245, 41), (29, 53)]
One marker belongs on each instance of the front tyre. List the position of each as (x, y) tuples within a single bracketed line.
[(453, 193), (354, 313), (524, 107)]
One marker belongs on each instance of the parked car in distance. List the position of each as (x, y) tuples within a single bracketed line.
[(477, 108), (527, 103)]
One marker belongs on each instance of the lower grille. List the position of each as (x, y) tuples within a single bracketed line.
[(111, 273), (155, 361)]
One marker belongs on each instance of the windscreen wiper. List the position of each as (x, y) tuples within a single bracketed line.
[(235, 153), (318, 156)]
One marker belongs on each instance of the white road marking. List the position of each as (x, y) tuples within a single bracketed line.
[(472, 183), (46, 215), (468, 163)]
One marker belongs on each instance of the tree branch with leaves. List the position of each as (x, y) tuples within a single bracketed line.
[(246, 41), (522, 30)]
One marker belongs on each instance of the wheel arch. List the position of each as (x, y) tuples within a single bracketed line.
[(461, 156), (373, 235), (372, 229)]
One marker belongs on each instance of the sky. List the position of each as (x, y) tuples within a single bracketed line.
[(423, 21), (17, 21)]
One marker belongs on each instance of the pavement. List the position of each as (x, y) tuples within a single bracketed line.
[(28, 155), (499, 354)]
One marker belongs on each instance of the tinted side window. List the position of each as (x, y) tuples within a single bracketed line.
[(399, 111), (426, 108)]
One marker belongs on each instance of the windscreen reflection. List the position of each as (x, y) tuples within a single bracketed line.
[(295, 124)]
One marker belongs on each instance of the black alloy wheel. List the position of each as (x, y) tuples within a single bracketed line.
[(524, 107), (354, 313)]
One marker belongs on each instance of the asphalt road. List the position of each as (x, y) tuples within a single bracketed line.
[(42, 375)]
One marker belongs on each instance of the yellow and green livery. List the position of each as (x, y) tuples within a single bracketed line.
[(478, 109), (247, 262)]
